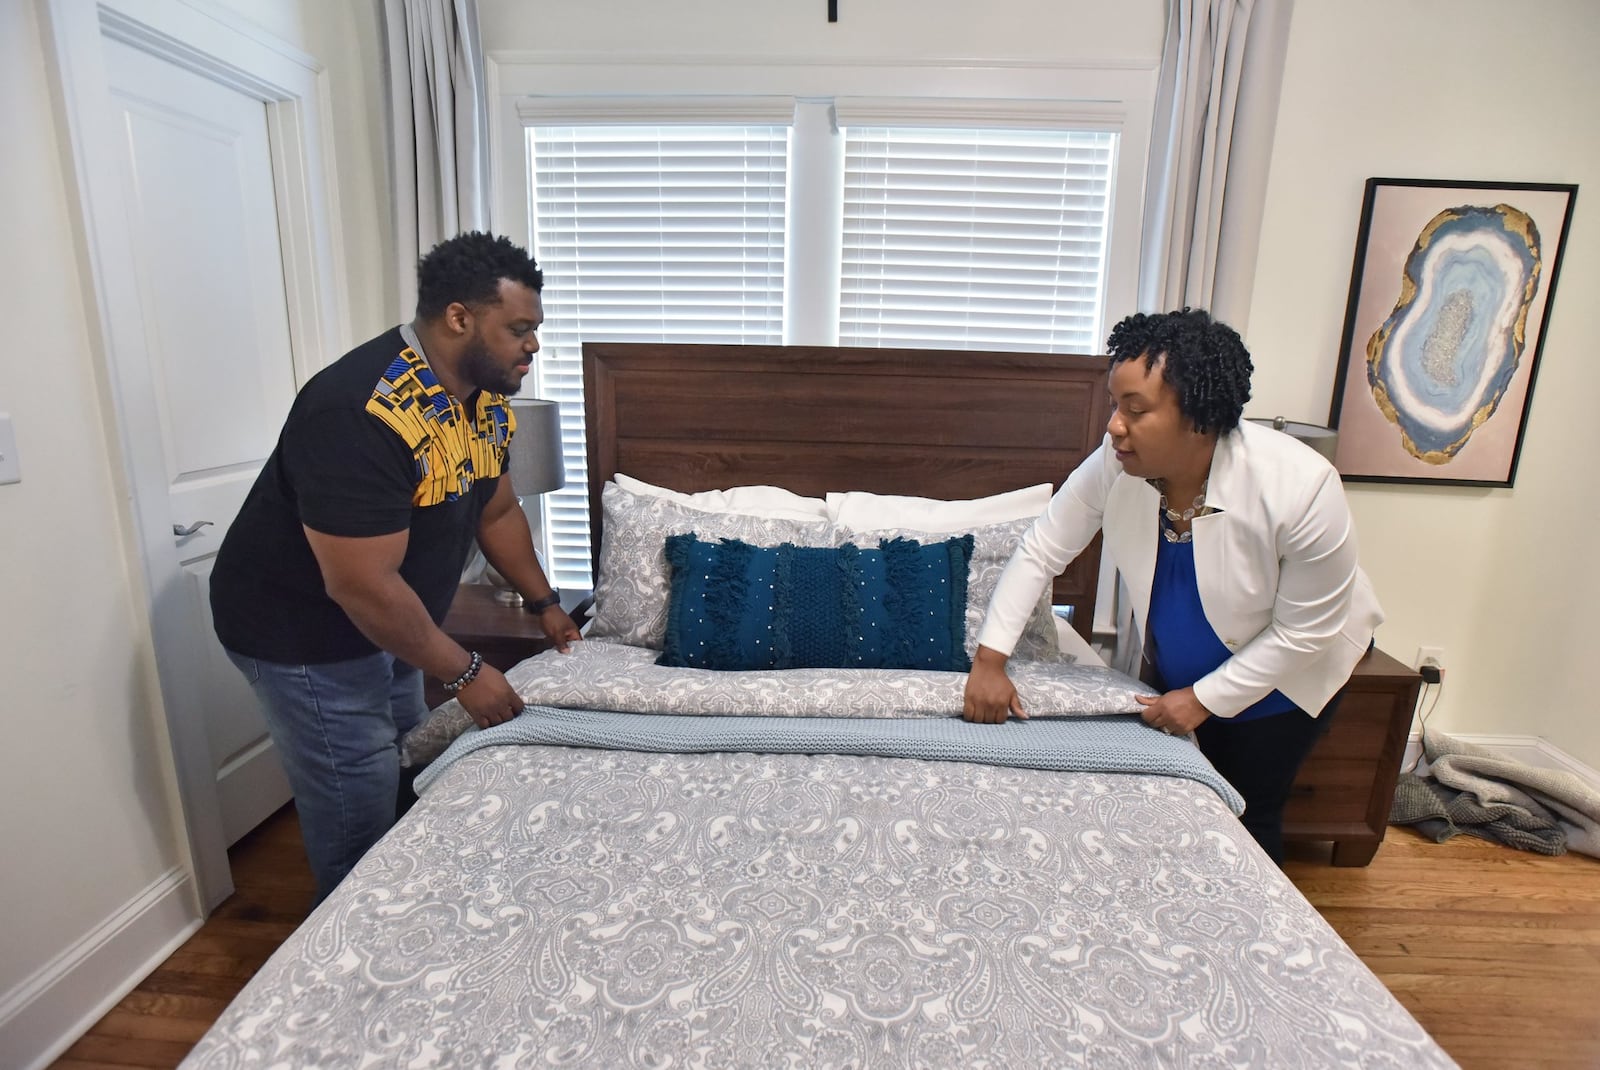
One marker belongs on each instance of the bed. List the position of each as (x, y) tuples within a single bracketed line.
[(672, 865)]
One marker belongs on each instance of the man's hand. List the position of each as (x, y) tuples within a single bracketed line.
[(489, 699), (990, 696), (560, 629), (1176, 713)]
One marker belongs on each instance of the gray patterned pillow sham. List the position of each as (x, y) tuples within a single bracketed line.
[(604, 675), (993, 546), (630, 595)]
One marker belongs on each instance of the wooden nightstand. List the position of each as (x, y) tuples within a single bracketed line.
[(1346, 786), (504, 635)]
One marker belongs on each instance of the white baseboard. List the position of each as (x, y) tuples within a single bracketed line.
[(1529, 750), (42, 1017)]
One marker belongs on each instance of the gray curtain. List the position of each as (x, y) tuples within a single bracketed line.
[(439, 129), (1210, 148)]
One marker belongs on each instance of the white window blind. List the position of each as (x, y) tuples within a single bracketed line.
[(647, 233), (975, 238)]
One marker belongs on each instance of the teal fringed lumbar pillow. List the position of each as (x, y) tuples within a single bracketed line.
[(732, 605)]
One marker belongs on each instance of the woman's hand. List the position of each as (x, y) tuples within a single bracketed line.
[(1177, 713), (990, 696)]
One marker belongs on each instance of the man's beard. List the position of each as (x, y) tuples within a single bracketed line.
[(479, 369)]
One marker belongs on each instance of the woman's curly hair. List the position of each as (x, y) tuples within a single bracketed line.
[(1206, 362), (468, 268)]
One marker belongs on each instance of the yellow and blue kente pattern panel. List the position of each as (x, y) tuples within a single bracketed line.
[(451, 453)]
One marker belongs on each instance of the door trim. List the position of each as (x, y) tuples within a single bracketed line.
[(294, 89)]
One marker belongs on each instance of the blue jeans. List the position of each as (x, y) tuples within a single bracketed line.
[(337, 727)]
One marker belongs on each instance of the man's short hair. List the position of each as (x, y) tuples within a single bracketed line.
[(468, 268)]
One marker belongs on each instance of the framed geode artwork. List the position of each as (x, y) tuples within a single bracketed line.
[(1449, 298)]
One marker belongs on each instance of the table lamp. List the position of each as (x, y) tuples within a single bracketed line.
[(536, 467), (1322, 439)]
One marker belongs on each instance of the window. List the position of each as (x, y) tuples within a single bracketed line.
[(942, 237), (647, 234), (973, 239)]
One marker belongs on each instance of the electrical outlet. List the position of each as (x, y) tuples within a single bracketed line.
[(1429, 653)]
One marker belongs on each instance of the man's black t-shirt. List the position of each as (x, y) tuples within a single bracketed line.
[(373, 445)]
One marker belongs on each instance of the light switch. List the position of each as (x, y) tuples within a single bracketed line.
[(10, 466)]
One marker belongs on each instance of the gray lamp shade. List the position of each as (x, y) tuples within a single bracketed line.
[(1322, 439), (535, 459)]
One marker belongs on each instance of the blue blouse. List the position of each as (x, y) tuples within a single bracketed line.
[(1186, 646)]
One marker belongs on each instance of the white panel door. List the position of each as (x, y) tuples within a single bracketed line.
[(202, 216)]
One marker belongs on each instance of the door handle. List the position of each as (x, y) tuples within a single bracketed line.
[(184, 532)]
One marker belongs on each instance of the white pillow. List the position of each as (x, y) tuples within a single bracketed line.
[(634, 580), (863, 511), (772, 503), (1073, 645)]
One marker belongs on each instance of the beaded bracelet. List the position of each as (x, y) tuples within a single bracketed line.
[(468, 676), (542, 604)]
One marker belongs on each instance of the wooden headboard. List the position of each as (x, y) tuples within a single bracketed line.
[(811, 419)]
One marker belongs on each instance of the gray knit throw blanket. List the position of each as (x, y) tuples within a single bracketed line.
[(1119, 744), (1473, 790), (1441, 812)]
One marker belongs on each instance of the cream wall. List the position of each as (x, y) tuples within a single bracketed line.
[(1504, 580), (1104, 31), (91, 813)]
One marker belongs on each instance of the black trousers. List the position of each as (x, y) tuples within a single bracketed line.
[(1260, 759)]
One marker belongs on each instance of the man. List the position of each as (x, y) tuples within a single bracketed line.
[(330, 585)]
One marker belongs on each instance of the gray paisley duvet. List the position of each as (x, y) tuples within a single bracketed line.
[(548, 905)]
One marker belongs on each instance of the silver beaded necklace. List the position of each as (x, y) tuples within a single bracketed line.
[(1170, 516)]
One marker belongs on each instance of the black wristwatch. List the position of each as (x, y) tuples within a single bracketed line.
[(539, 605)]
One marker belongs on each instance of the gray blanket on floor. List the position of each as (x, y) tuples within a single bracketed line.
[(1471, 789)]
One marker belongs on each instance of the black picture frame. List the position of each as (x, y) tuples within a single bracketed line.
[(1432, 386)]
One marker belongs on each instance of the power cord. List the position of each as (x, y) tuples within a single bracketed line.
[(1436, 682)]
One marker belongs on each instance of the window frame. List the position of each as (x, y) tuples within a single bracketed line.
[(582, 86)]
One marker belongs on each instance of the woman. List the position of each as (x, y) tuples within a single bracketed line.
[(1236, 546)]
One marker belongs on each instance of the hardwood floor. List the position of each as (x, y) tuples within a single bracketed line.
[(157, 1023), (1496, 952)]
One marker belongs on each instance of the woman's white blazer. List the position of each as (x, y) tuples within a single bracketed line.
[(1276, 565)]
